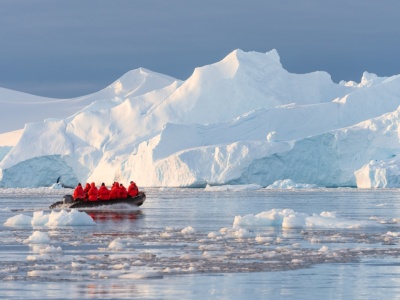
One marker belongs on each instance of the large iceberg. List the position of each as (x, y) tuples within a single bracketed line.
[(242, 120)]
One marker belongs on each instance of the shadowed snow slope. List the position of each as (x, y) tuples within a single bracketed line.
[(242, 120)]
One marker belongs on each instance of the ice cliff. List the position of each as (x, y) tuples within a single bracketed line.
[(242, 120)]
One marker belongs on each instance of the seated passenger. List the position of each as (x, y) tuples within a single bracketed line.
[(93, 192), (78, 193), (123, 191), (115, 191), (133, 190), (104, 192), (85, 191)]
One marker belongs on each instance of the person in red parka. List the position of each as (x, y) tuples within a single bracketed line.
[(123, 191), (115, 191), (104, 192), (133, 190), (85, 191), (93, 192), (78, 193)]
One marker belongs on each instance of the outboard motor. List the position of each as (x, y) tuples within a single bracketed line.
[(68, 199)]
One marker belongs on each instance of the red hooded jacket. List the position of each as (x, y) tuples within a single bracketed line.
[(86, 190), (133, 190), (93, 192), (123, 191), (104, 193), (78, 192), (115, 191)]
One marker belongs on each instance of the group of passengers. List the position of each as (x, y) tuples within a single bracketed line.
[(117, 191)]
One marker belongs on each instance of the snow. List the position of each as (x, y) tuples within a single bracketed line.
[(9, 139), (242, 121)]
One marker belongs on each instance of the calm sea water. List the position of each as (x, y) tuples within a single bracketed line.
[(181, 244)]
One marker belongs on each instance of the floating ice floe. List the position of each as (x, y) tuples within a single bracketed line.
[(142, 275), (188, 230), (51, 249), (224, 188), (290, 184), (56, 186), (119, 243), (287, 218), (38, 237), (54, 219), (18, 220), (116, 244)]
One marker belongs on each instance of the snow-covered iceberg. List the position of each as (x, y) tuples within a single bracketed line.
[(243, 120)]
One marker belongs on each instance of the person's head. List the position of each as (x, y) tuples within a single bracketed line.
[(102, 184), (79, 184), (131, 182), (121, 184)]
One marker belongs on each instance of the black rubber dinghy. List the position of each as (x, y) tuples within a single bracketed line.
[(68, 202)]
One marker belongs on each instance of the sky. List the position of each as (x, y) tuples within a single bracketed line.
[(64, 49)]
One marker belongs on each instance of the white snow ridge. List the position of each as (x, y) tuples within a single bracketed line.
[(243, 120)]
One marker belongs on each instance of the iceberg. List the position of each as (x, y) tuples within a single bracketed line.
[(244, 120)]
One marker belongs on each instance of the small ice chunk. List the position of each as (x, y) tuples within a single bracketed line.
[(51, 249), (18, 220), (116, 244), (188, 230), (324, 249), (142, 275), (38, 237)]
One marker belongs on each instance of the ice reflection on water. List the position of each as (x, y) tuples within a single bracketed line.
[(180, 238)]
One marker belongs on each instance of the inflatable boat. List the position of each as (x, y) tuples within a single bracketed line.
[(69, 202)]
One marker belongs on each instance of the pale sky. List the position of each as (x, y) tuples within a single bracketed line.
[(72, 48)]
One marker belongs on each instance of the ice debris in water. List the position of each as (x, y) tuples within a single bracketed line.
[(56, 186), (54, 219), (290, 185), (287, 218), (38, 237), (51, 249), (19, 220), (258, 244), (235, 188), (188, 230), (120, 243)]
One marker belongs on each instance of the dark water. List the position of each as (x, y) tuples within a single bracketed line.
[(181, 244)]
